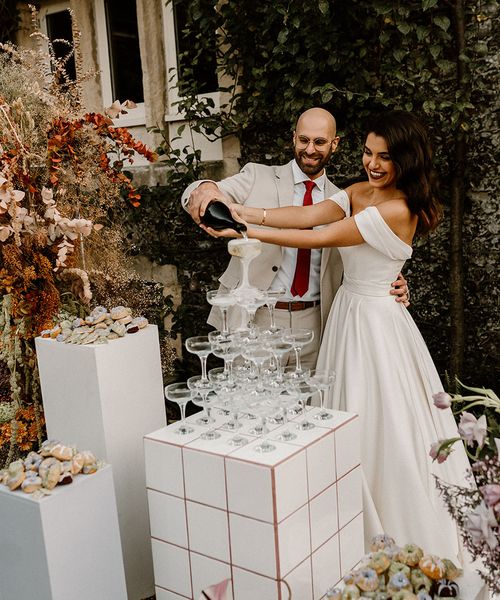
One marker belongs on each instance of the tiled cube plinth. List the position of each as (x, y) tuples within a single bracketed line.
[(286, 519), (62, 546), (105, 398)]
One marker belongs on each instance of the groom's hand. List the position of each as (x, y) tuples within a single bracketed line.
[(401, 290), (201, 197)]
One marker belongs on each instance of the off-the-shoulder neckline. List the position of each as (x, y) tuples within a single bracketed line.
[(381, 218)]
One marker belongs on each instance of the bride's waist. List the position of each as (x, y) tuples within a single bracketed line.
[(366, 288)]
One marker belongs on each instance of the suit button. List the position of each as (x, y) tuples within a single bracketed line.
[(275, 268)]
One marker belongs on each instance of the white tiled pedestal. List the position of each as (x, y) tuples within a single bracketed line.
[(66, 545), (105, 398), (287, 519)]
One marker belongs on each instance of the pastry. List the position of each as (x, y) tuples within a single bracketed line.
[(446, 588), (350, 592), (411, 555), (432, 566), (379, 561), (399, 582), (452, 571), (366, 579), (381, 541), (397, 567), (420, 581)]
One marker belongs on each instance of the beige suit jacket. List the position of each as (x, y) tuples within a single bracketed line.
[(271, 187)]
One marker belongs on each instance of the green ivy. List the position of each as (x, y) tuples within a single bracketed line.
[(353, 58)]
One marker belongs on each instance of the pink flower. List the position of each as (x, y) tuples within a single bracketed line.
[(491, 493), (479, 524), (442, 400), (472, 429), (440, 451)]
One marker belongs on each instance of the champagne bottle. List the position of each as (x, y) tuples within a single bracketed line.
[(218, 216)]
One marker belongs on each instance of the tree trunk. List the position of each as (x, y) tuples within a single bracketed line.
[(457, 209)]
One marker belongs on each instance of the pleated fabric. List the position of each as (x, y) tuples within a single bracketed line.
[(385, 374)]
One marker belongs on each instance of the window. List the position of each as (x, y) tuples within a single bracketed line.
[(204, 72), (174, 19), (124, 52), (119, 57), (58, 29)]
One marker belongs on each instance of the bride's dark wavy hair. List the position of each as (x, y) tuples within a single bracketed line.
[(411, 153)]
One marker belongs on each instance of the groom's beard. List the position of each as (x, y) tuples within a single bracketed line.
[(316, 167)]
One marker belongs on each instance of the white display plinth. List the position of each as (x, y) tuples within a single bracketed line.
[(290, 518), (62, 546), (105, 398)]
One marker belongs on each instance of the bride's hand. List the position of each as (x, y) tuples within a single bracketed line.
[(228, 233)]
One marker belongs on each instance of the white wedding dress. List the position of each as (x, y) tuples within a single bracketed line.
[(386, 375)]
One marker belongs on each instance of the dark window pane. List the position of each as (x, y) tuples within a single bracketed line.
[(199, 68), (59, 28), (124, 52)]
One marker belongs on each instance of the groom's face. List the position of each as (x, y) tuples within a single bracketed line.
[(314, 142)]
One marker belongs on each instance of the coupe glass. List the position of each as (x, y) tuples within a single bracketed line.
[(298, 338), (227, 347), (305, 390), (251, 300), (257, 354), (292, 378), (201, 389), (201, 346), (263, 410), (223, 301), (272, 298), (235, 403), (246, 250), (279, 349), (323, 380), (181, 394), (286, 400)]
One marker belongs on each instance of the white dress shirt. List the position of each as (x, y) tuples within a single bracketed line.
[(285, 274)]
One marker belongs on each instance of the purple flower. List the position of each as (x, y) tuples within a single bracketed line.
[(472, 429), (479, 524), (442, 400), (440, 451), (491, 493)]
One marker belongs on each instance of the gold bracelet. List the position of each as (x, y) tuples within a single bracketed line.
[(263, 217)]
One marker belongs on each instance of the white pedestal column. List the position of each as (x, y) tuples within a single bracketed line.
[(66, 545), (105, 398)]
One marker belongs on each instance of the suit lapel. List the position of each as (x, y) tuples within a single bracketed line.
[(284, 184), (330, 189)]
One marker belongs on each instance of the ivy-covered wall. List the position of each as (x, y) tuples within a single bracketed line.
[(433, 57)]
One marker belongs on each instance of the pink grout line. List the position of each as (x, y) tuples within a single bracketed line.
[(275, 531), (310, 526), (187, 523), (229, 528), (172, 592)]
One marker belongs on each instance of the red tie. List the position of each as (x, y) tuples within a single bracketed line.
[(300, 283)]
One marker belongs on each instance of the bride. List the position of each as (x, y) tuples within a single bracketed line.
[(384, 370)]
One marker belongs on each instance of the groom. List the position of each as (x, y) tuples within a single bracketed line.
[(310, 277)]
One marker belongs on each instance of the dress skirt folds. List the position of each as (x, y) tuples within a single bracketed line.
[(386, 375)]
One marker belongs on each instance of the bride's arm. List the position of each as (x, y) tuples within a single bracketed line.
[(291, 217), (342, 233)]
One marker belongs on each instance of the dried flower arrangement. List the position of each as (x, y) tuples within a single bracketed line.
[(475, 509), (61, 177)]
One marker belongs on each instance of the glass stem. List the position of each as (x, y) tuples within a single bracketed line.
[(228, 367), (297, 358), (183, 412), (271, 314), (225, 329), (203, 360), (260, 384)]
